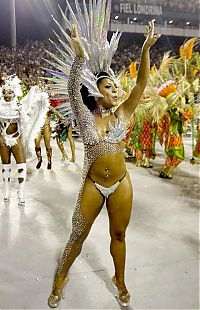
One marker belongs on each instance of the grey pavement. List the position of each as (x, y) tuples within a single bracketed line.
[(162, 269)]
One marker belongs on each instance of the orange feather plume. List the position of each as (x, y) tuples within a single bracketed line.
[(185, 50), (167, 88), (132, 69)]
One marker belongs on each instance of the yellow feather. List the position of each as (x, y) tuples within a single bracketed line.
[(132, 68), (182, 52), (166, 62), (153, 71), (189, 48)]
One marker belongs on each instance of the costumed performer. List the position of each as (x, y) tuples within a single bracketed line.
[(20, 122), (63, 130), (104, 178), (171, 127)]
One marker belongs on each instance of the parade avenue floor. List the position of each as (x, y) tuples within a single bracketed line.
[(162, 239)]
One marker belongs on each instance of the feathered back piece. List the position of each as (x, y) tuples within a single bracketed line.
[(93, 26)]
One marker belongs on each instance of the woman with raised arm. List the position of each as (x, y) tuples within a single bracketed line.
[(105, 177)]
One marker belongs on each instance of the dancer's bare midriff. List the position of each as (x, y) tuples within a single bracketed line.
[(108, 169)]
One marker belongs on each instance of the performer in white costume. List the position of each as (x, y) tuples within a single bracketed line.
[(20, 121)]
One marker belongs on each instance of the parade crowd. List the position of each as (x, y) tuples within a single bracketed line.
[(28, 61)]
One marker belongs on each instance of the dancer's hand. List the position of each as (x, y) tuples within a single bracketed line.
[(151, 38), (76, 43)]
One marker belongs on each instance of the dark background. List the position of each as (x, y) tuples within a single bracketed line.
[(33, 19)]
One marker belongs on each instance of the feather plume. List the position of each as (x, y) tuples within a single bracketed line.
[(34, 106), (93, 26), (132, 69), (186, 49), (166, 62)]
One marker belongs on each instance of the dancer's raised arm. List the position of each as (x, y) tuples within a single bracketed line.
[(128, 106), (82, 114)]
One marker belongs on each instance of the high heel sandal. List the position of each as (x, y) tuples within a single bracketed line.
[(54, 300), (122, 296)]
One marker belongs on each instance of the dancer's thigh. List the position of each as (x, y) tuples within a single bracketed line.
[(5, 151), (91, 201), (18, 152), (47, 136), (119, 205), (38, 140)]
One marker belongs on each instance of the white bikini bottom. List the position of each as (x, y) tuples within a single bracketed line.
[(107, 191), (10, 140)]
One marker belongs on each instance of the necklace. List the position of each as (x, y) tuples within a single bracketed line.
[(103, 112)]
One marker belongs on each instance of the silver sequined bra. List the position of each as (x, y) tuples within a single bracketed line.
[(117, 132), (86, 119)]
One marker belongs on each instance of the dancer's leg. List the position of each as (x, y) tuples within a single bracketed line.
[(62, 149), (19, 154), (139, 156), (119, 206), (72, 144), (38, 150), (86, 211), (5, 152), (170, 164), (47, 141), (146, 162)]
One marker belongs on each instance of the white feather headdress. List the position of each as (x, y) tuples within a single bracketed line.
[(93, 26), (12, 83)]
